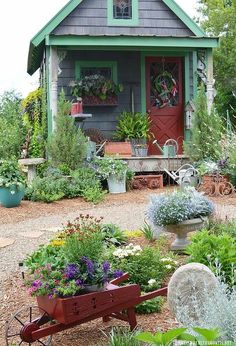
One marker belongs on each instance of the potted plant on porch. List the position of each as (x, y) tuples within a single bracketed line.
[(96, 89), (134, 127), (179, 212), (12, 183), (114, 170)]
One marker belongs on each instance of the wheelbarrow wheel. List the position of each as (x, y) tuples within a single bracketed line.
[(25, 321)]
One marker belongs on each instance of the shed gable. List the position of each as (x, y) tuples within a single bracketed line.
[(155, 19)]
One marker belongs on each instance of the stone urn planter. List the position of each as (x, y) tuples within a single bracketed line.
[(181, 231)]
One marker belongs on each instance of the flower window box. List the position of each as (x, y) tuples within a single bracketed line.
[(111, 100)]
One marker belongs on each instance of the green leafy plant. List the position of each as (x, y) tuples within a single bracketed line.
[(95, 85), (11, 174), (122, 337), (147, 231), (113, 235), (133, 126), (216, 251), (149, 306), (142, 265), (67, 144), (106, 166), (171, 336)]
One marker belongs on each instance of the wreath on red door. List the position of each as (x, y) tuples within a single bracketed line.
[(164, 88)]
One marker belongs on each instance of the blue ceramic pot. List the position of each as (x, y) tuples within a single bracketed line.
[(11, 196)]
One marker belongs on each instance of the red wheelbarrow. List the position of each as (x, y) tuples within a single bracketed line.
[(36, 324)]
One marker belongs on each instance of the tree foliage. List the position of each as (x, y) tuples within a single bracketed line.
[(206, 131), (219, 20), (11, 125), (67, 144)]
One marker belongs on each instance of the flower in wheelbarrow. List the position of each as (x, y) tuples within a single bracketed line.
[(72, 271), (117, 274), (89, 264), (106, 267)]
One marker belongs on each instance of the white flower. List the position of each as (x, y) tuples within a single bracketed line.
[(168, 266), (13, 192), (152, 282)]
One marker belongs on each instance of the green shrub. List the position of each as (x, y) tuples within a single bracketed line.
[(113, 235), (216, 251), (67, 144), (86, 239), (54, 186), (45, 190), (12, 130), (142, 265), (150, 306)]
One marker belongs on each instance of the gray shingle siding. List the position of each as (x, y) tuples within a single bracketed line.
[(128, 66), (90, 18)]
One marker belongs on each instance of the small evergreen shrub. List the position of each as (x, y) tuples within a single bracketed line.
[(67, 144), (206, 131)]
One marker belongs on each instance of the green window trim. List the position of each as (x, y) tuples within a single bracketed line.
[(122, 22), (111, 64)]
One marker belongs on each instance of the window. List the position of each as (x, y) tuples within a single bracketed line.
[(122, 9), (108, 69), (122, 12)]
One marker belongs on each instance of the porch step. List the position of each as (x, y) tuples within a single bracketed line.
[(151, 181)]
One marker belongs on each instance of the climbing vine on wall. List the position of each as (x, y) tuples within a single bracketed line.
[(35, 118)]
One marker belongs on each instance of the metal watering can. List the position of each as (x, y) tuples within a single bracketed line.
[(185, 176), (170, 148)]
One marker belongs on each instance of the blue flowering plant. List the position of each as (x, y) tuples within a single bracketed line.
[(173, 208)]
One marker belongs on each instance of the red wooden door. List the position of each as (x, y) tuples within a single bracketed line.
[(164, 100)]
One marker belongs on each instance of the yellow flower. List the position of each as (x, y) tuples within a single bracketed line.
[(57, 242), (136, 233)]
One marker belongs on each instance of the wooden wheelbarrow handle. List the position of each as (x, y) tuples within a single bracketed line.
[(122, 278)]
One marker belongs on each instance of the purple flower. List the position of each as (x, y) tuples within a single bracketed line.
[(89, 264), (78, 282), (117, 273), (36, 284), (71, 271), (106, 267)]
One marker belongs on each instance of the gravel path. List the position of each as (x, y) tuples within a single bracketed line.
[(126, 211), (128, 215)]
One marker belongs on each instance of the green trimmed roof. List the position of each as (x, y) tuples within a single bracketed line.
[(38, 41)]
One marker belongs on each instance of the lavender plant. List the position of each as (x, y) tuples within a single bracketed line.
[(172, 208)]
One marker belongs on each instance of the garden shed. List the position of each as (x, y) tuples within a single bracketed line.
[(151, 47)]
